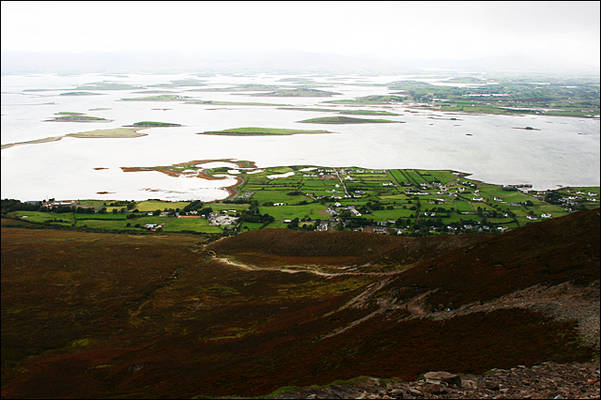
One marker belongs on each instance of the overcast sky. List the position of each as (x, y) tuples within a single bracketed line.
[(562, 33)]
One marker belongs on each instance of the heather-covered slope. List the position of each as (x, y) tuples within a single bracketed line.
[(284, 246), (99, 315), (555, 251)]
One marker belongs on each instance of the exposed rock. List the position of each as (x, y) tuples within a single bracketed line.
[(545, 381), (434, 388), (468, 384), (442, 376)]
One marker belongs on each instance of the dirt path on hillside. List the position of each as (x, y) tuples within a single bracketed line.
[(293, 269)]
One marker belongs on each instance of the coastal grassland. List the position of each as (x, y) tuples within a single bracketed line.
[(275, 194), (115, 221), (153, 205), (402, 198), (295, 211), (345, 120), (108, 133), (218, 206), (410, 202), (508, 96), (254, 131)]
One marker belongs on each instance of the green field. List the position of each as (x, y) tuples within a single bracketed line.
[(402, 201), (152, 205), (118, 222)]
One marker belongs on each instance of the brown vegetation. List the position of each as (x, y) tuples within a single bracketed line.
[(107, 315)]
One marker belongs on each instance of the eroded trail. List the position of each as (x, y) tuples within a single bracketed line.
[(293, 269)]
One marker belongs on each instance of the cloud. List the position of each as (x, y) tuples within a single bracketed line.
[(386, 30)]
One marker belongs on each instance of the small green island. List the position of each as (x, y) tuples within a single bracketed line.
[(367, 112), (98, 133), (297, 80), (106, 85), (248, 87), (231, 103), (108, 133), (253, 131), (65, 116), (149, 124), (374, 99), (154, 92), (309, 109), (298, 92), (351, 112), (161, 97), (181, 82), (346, 120), (80, 94)]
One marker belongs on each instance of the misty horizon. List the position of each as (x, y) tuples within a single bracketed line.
[(273, 62), (301, 37)]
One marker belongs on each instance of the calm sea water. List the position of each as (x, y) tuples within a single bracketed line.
[(564, 152)]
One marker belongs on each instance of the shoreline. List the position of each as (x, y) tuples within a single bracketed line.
[(201, 172)]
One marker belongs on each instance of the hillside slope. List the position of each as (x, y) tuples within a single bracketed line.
[(99, 315)]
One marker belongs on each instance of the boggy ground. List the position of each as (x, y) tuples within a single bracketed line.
[(114, 315)]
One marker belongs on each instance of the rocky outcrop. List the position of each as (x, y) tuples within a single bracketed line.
[(544, 381)]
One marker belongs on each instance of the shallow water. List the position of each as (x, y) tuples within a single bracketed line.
[(564, 152)]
